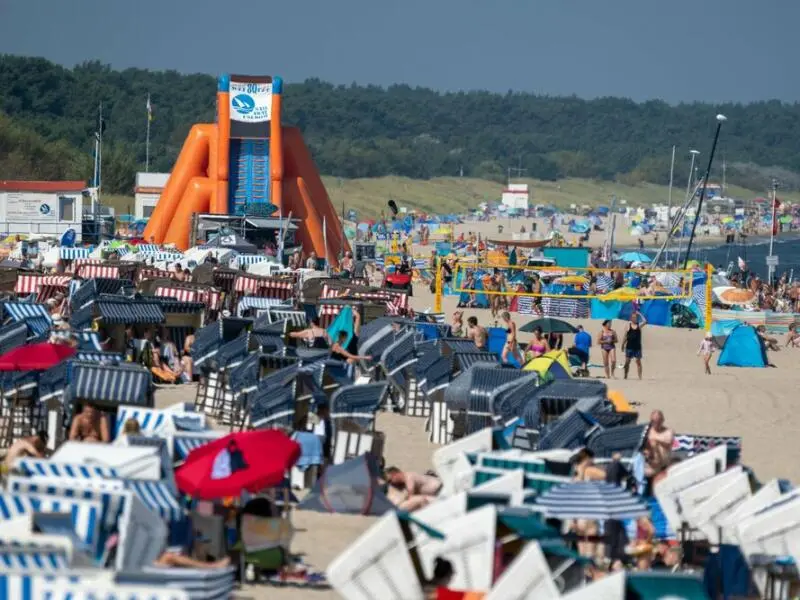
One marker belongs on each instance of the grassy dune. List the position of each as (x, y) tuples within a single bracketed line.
[(456, 194)]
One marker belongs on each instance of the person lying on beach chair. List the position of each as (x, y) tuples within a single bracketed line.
[(420, 490)]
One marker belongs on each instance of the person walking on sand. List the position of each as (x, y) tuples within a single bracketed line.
[(511, 346), (608, 344), (477, 333), (706, 350), (632, 344)]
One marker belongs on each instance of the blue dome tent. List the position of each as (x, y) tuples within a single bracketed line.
[(743, 348)]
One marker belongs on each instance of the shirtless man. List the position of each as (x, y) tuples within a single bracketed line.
[(659, 444), (33, 446), (420, 490), (476, 333), (89, 426)]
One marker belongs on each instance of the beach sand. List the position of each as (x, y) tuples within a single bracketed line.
[(622, 236), (757, 404)]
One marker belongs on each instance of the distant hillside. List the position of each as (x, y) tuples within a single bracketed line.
[(368, 131)]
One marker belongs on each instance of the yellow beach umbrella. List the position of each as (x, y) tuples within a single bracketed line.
[(572, 280), (623, 294)]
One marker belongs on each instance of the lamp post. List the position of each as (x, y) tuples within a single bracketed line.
[(720, 120)]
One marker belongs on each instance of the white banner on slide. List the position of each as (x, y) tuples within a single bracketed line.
[(251, 102)]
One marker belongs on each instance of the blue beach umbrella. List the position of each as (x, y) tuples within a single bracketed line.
[(594, 500), (632, 257)]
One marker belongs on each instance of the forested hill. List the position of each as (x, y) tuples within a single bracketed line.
[(366, 131)]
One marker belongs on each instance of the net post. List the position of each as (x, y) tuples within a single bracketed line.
[(709, 273), (437, 298)]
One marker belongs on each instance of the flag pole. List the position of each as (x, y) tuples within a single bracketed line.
[(147, 138), (100, 149), (770, 264)]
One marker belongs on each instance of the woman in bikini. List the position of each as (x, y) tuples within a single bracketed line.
[(315, 336), (89, 426), (511, 347), (538, 345), (608, 344)]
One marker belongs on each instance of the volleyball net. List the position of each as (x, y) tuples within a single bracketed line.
[(578, 283)]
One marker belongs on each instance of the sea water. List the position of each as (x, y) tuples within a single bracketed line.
[(754, 252)]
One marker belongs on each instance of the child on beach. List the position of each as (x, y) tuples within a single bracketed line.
[(706, 350)]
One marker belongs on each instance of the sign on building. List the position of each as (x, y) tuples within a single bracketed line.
[(31, 208)]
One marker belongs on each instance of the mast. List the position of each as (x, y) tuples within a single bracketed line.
[(669, 199)]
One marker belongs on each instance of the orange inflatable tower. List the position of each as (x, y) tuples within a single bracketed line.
[(247, 163)]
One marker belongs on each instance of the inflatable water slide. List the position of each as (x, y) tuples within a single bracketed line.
[(247, 164)]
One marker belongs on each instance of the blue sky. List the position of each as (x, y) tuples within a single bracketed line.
[(677, 50)]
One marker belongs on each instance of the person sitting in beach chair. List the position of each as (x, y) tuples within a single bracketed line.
[(90, 425), (420, 490), (33, 446), (163, 370)]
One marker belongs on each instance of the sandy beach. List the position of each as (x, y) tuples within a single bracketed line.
[(622, 235), (757, 404)]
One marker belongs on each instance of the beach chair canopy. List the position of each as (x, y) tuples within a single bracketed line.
[(743, 348), (12, 336), (35, 316), (349, 488), (358, 403), (115, 385)]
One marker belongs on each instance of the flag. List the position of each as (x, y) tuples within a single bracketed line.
[(149, 109), (742, 264), (776, 204)]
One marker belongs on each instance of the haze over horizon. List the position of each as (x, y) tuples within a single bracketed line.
[(682, 51)]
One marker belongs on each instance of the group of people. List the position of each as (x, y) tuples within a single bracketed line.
[(647, 467), (540, 344), (782, 295)]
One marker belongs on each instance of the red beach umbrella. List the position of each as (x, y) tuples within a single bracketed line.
[(247, 460), (35, 357)]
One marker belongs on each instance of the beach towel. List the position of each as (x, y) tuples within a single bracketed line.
[(310, 449), (342, 322)]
